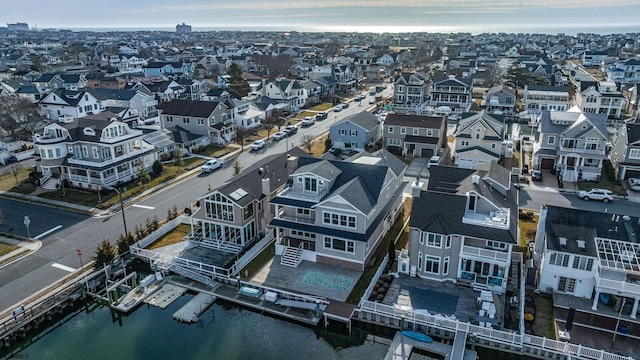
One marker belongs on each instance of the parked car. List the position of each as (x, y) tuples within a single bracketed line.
[(536, 175), (345, 105), (257, 145), (211, 165), (435, 160), (372, 100), (634, 184), (290, 130), (335, 151), (308, 121), (596, 194), (321, 116), (337, 108), (279, 135)]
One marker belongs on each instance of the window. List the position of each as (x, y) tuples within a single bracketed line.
[(445, 266), (219, 207), (200, 121), (343, 132), (582, 263), (429, 132), (566, 285), (339, 220), (434, 240), (477, 136), (447, 243), (354, 132), (416, 131), (303, 211), (634, 153), (185, 120), (95, 152), (248, 211), (559, 259), (310, 184), (394, 142), (464, 143), (551, 140), (390, 129), (339, 245), (85, 152), (403, 131), (493, 146), (420, 260), (106, 153), (432, 264)]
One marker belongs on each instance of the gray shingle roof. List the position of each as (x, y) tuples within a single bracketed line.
[(365, 120), (198, 109)]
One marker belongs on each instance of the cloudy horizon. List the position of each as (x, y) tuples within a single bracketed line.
[(329, 14)]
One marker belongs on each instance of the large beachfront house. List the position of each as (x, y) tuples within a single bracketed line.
[(336, 213), (586, 254), (69, 104), (91, 152), (471, 239), (236, 214), (410, 91), (451, 92), (572, 142), (542, 97)]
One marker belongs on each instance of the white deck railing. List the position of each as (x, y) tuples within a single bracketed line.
[(485, 253), (527, 344)]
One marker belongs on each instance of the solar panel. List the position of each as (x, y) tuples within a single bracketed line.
[(238, 194)]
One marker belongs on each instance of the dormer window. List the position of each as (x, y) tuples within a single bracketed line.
[(471, 205), (310, 184)]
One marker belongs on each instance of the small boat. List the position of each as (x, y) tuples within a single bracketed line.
[(415, 335)]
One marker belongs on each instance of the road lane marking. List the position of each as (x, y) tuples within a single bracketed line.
[(63, 267), (143, 206), (48, 232)]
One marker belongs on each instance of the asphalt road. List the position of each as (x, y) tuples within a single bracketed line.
[(63, 232), (533, 199)]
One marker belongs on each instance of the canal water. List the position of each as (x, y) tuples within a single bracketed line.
[(225, 331)]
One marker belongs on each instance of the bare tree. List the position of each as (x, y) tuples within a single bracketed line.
[(273, 120), (19, 116), (307, 142), (15, 170), (241, 134)]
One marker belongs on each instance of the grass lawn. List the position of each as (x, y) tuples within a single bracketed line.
[(8, 182), (321, 107), (216, 151), (516, 161), (604, 183), (527, 228), (380, 253), (304, 114), (174, 236), (543, 323), (318, 146), (6, 248), (258, 262)]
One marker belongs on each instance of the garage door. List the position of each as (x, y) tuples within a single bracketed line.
[(547, 164), (426, 153), (465, 163), (631, 174)]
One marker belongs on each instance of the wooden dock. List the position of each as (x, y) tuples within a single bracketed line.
[(165, 295), (190, 311), (402, 346)]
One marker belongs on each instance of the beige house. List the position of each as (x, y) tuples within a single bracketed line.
[(478, 140)]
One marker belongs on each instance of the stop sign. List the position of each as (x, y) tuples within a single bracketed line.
[(79, 252)]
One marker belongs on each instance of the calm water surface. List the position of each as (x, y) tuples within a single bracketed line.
[(225, 332)]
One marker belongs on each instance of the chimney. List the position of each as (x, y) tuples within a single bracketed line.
[(416, 188), (266, 186), (292, 164)]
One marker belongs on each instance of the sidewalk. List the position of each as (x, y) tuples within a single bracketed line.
[(24, 249)]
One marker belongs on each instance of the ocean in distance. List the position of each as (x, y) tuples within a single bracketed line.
[(474, 30)]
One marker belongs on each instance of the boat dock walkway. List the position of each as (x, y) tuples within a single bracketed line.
[(402, 346), (133, 298), (165, 295), (190, 311)]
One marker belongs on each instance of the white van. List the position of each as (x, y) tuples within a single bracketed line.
[(435, 160)]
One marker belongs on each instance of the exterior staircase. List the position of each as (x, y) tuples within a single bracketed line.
[(49, 183), (291, 256)]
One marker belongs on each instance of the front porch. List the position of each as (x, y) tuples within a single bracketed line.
[(483, 273)]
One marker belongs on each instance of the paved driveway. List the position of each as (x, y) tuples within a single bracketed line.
[(418, 166)]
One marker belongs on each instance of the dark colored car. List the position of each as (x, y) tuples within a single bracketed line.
[(321, 116), (536, 175), (335, 151), (525, 169)]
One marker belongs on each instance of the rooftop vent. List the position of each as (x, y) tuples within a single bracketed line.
[(563, 241), (626, 218), (581, 244), (475, 179)]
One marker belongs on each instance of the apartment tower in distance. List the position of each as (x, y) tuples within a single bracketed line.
[(18, 27), (183, 28)]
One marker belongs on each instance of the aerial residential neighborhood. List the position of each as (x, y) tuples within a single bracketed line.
[(456, 195)]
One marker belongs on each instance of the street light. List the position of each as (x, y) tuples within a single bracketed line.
[(27, 222), (615, 331), (124, 221)]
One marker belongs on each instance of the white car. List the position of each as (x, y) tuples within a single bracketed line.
[(596, 194), (211, 165), (257, 145), (634, 184), (435, 160), (308, 121), (279, 135)]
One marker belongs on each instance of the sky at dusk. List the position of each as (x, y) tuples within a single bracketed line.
[(324, 14)]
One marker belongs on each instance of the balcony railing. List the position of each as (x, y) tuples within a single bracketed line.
[(298, 219), (485, 253), (615, 286), (130, 155), (581, 150)]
